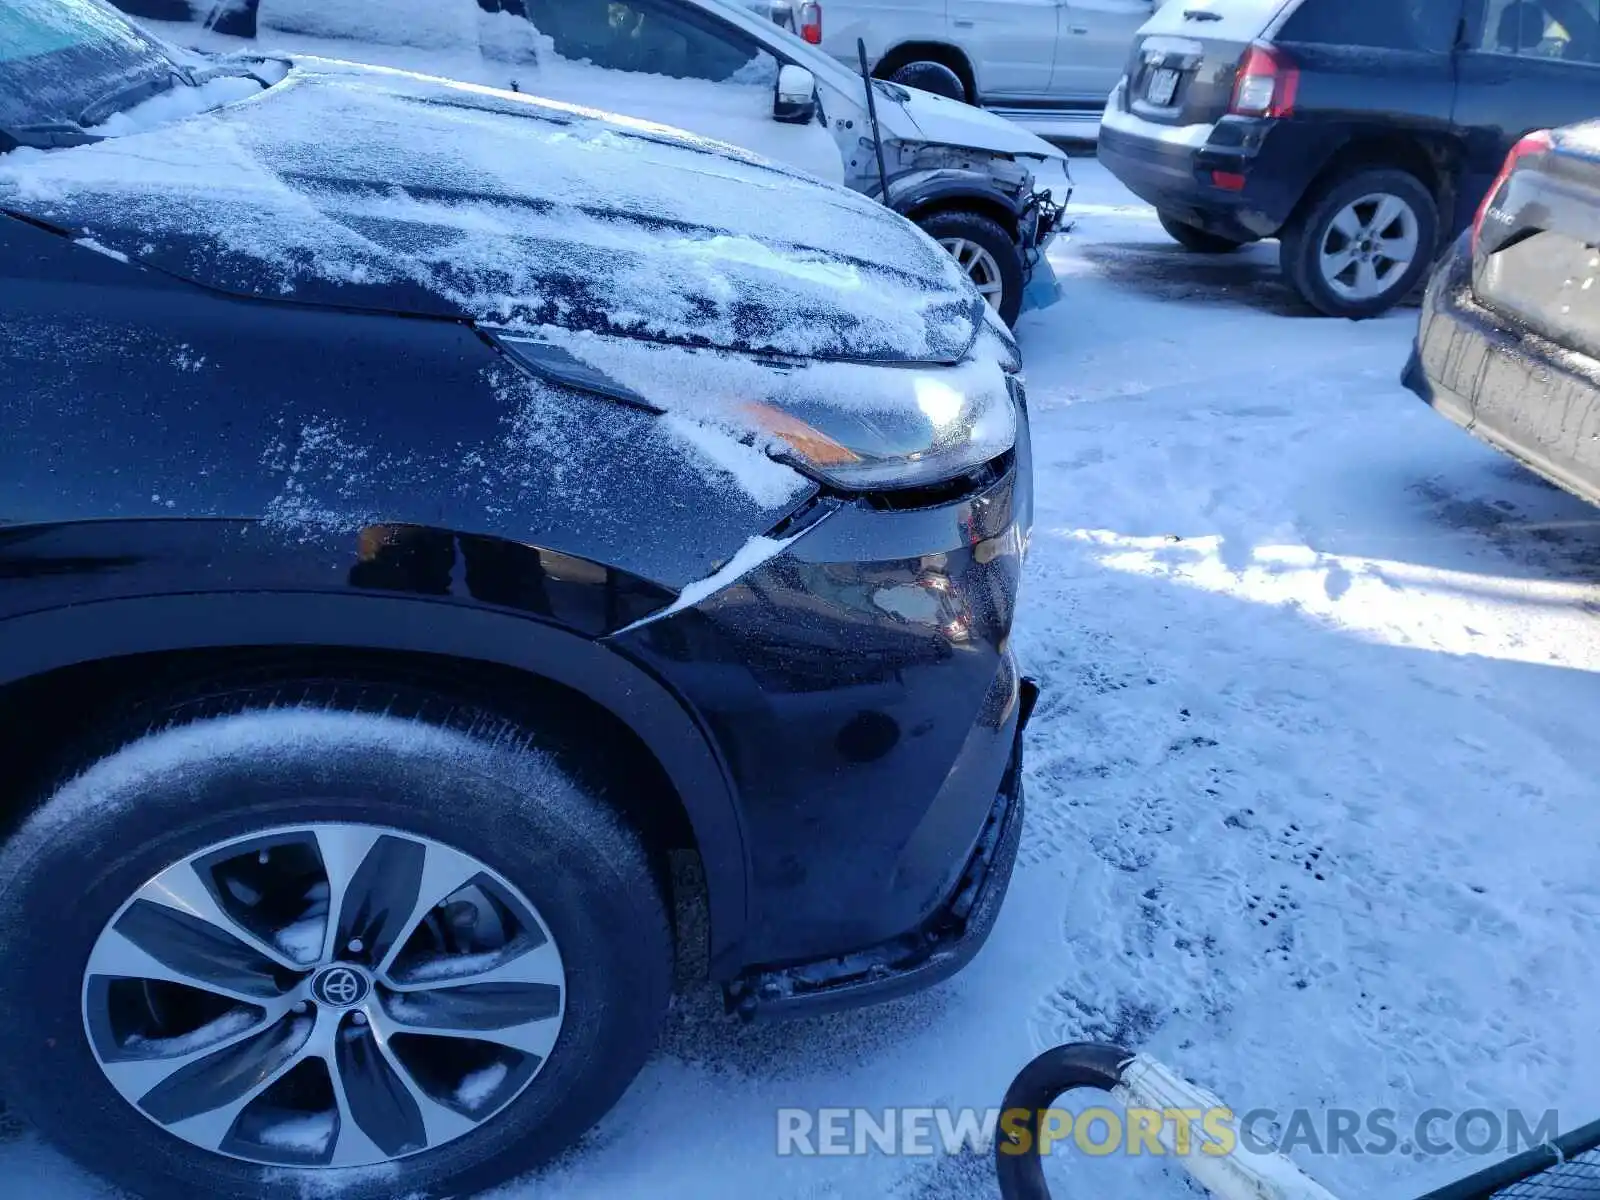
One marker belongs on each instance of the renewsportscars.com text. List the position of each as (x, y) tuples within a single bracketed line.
[(1102, 1131)]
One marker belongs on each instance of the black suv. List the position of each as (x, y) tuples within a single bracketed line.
[(1361, 133), (462, 566)]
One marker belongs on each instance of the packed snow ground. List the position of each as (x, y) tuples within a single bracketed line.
[(1312, 804)]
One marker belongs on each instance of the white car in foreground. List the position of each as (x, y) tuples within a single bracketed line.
[(986, 189)]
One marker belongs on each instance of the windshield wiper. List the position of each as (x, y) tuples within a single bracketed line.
[(45, 135), (129, 94), (229, 68)]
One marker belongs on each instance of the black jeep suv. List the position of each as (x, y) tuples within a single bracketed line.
[(1360, 133), (443, 537)]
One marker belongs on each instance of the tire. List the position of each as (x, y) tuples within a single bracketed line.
[(1000, 260), (452, 780), (1192, 237), (929, 76), (1381, 213)]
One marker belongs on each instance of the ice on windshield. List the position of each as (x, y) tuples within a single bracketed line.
[(58, 57), (29, 28)]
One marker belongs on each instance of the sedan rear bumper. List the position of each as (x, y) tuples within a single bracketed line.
[(1513, 389)]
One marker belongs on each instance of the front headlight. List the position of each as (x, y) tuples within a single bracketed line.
[(855, 426), (937, 429)]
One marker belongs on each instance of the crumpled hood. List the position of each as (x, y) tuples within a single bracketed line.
[(954, 123), (369, 188)]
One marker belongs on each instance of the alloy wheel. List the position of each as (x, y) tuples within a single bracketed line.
[(324, 995), (1369, 246), (980, 267)]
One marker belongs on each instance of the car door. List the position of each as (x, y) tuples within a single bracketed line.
[(1010, 43), (1523, 65), (1092, 51), (881, 24), (674, 63)]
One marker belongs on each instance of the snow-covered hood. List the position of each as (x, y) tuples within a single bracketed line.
[(364, 187), (952, 123)]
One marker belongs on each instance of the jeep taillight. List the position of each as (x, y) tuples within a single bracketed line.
[(1537, 142), (1266, 84), (811, 22)]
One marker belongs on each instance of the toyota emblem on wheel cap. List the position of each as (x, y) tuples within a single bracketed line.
[(340, 987)]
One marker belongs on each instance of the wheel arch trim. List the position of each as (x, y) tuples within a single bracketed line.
[(37, 643), (923, 193), (1432, 158)]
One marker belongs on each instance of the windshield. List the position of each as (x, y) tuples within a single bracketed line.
[(61, 58)]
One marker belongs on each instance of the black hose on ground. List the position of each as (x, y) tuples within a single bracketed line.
[(1055, 1072)]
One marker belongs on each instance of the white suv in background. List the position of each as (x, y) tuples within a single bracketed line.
[(1049, 63)]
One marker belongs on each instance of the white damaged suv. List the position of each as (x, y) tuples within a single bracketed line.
[(987, 190)]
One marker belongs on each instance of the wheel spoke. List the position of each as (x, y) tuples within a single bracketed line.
[(523, 1016), (380, 1099), (139, 1065), (1367, 283), (183, 888), (536, 1039), (1335, 265), (343, 849), (378, 889), (207, 1092), (964, 252), (1390, 209), (1348, 223), (351, 1146), (1400, 249), (441, 1121), (444, 872), (533, 960), (152, 941)]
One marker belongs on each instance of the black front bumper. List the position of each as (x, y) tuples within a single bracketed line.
[(861, 690), (930, 954), (1515, 390)]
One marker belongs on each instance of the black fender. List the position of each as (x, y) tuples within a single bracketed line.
[(42, 641), (954, 187)]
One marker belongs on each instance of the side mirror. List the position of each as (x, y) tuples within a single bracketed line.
[(794, 101)]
